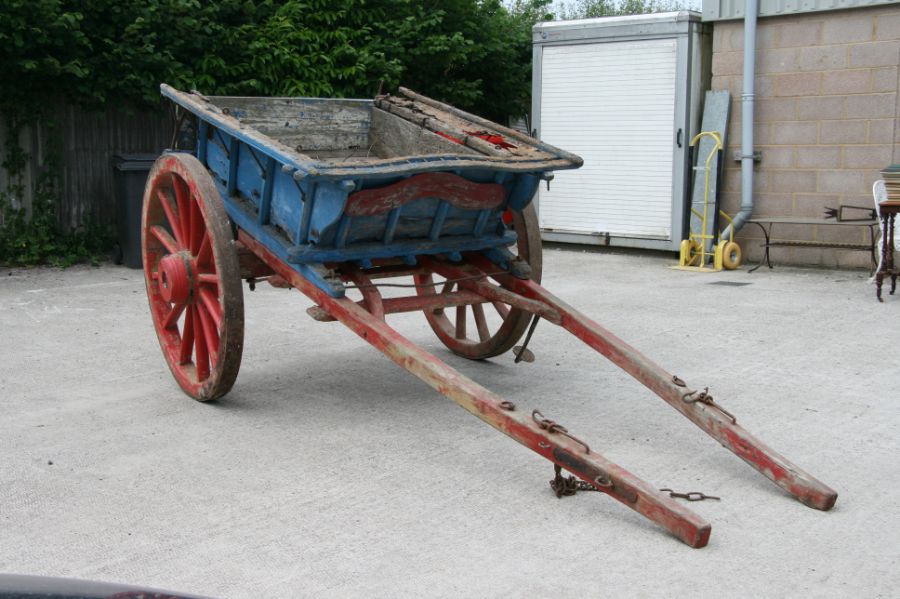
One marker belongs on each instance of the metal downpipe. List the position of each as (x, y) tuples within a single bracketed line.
[(751, 9)]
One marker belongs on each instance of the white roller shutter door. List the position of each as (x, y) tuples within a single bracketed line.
[(613, 104)]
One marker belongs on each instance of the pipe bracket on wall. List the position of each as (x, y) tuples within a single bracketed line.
[(756, 156)]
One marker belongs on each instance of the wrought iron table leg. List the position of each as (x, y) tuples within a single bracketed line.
[(889, 232), (887, 256), (766, 257), (872, 247)]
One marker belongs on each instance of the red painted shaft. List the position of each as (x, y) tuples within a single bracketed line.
[(773, 465), (488, 406)]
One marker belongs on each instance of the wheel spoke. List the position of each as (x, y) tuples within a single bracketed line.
[(501, 309), (201, 361), (211, 303), (210, 278), (173, 316), (183, 199), (197, 228), (205, 252), (165, 238), (448, 287), (187, 338), (480, 322), (174, 221), (460, 322), (210, 334)]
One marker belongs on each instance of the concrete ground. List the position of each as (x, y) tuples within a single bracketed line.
[(329, 471)]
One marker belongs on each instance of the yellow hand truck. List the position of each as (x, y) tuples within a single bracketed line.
[(694, 254)]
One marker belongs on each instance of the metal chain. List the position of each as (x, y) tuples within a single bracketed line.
[(564, 486), (690, 495)]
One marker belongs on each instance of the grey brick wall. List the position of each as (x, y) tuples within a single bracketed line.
[(827, 111)]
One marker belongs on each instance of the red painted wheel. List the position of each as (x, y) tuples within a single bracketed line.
[(495, 327), (193, 277)]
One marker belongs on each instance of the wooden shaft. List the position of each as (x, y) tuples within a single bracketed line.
[(784, 473), (489, 291), (413, 303), (488, 406)]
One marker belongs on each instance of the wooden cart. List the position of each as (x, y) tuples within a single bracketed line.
[(329, 196)]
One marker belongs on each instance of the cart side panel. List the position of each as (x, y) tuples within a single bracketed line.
[(318, 218), (427, 206), (251, 175), (310, 219), (216, 155), (286, 205)]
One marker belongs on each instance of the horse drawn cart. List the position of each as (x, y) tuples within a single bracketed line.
[(328, 196)]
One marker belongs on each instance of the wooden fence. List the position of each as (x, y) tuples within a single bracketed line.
[(87, 143)]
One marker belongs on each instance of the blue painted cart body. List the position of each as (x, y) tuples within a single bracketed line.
[(286, 168)]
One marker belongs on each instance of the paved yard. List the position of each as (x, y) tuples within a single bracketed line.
[(328, 471)]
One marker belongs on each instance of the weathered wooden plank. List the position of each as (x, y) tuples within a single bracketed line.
[(87, 141), (308, 125), (393, 136)]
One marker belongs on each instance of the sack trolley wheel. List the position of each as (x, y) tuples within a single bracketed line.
[(497, 326), (192, 276), (731, 255), (690, 253)]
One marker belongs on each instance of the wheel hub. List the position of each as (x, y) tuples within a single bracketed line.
[(176, 278)]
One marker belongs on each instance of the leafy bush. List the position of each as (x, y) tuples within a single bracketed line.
[(473, 53)]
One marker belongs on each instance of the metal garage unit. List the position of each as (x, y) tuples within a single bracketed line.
[(624, 93)]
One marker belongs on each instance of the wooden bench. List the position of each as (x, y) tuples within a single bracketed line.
[(766, 223)]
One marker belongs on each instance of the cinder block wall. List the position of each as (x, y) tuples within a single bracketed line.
[(827, 111)]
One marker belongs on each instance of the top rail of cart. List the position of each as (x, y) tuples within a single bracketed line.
[(340, 138), (321, 180)]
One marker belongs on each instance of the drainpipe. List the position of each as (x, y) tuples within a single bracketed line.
[(751, 8)]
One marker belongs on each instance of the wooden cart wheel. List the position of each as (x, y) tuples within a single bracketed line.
[(486, 330), (192, 275)]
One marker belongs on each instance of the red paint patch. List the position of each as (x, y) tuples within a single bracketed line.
[(451, 188)]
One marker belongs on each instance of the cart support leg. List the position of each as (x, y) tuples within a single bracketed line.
[(491, 408), (697, 406)]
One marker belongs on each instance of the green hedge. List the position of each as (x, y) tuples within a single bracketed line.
[(475, 54)]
